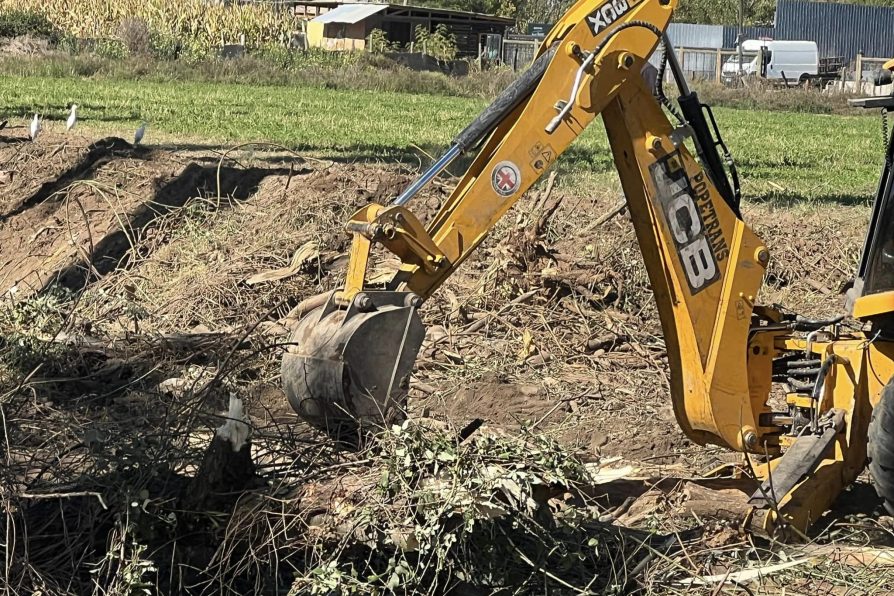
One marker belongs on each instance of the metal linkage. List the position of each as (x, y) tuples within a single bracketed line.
[(565, 107)]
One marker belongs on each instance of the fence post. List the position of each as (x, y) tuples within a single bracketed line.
[(718, 66), (858, 84), (682, 52)]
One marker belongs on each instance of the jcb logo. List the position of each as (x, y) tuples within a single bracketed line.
[(692, 246), (607, 14), (678, 202)]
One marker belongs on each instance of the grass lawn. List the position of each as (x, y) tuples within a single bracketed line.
[(785, 157)]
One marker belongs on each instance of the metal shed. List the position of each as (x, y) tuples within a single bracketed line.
[(346, 25), (350, 13), (731, 34), (838, 29), (697, 64), (684, 35)]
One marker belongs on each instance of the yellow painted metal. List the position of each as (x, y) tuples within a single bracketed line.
[(854, 384), (889, 65), (872, 305), (799, 401), (397, 229), (410, 241), (762, 350), (705, 264), (359, 255), (521, 140), (706, 332)]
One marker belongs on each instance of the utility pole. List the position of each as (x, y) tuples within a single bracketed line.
[(740, 38)]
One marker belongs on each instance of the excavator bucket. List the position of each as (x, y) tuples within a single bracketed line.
[(349, 367)]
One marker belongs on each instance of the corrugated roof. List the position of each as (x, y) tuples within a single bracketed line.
[(684, 35), (838, 29), (350, 13), (412, 7)]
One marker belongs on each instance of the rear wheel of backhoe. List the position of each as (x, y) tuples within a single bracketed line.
[(881, 446)]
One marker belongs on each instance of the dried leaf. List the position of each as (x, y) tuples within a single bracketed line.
[(308, 251), (603, 475), (527, 348)]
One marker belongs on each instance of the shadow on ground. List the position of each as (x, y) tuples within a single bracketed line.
[(111, 253)]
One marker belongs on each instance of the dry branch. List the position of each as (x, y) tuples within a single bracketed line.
[(480, 323), (618, 208), (547, 208), (173, 345)]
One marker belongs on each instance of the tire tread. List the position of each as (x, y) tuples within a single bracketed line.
[(880, 447)]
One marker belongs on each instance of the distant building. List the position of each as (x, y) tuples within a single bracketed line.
[(346, 26), (712, 37), (839, 30)]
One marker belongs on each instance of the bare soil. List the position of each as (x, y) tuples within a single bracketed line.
[(106, 216), (550, 326)]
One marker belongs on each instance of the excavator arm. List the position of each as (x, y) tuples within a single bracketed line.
[(705, 264), (351, 358)]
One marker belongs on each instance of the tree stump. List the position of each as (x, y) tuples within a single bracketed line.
[(227, 468)]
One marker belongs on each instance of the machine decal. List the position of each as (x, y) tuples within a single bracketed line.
[(506, 178), (607, 14), (699, 246), (709, 217), (541, 156)]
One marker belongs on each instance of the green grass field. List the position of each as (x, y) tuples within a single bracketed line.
[(782, 156)]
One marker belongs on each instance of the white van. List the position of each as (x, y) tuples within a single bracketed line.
[(792, 61)]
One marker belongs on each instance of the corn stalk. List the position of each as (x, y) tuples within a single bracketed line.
[(197, 24)]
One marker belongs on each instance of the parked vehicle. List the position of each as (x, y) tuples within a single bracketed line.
[(788, 62)]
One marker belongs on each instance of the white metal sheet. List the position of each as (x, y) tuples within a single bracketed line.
[(350, 13)]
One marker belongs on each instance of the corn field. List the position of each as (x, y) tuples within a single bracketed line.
[(197, 25)]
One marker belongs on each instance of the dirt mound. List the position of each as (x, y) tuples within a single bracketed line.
[(500, 403), (66, 197), (550, 318)]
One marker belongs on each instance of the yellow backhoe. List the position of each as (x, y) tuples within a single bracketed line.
[(350, 359)]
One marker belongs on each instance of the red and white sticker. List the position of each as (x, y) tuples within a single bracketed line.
[(506, 178)]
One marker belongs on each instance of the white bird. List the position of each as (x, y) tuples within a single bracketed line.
[(35, 127), (139, 134), (72, 118)]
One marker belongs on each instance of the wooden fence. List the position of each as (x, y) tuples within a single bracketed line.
[(519, 53), (699, 64)]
